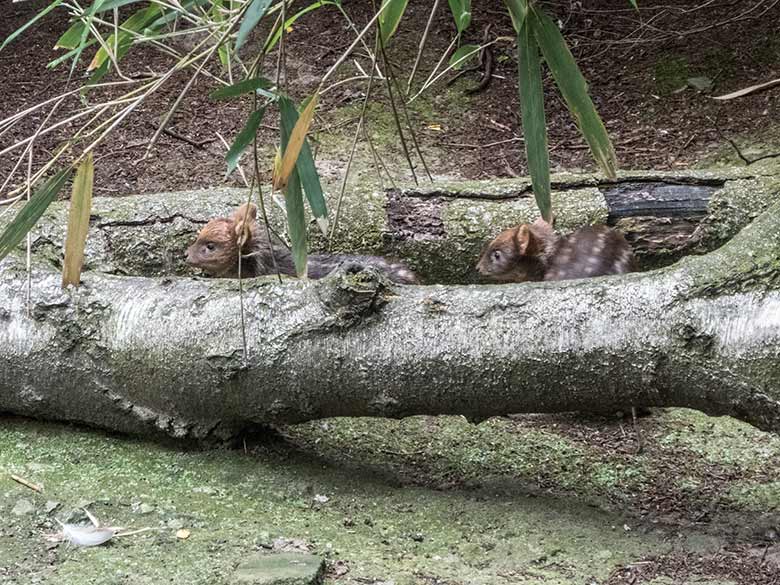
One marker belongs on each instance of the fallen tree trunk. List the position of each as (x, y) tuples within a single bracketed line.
[(162, 355), (439, 230)]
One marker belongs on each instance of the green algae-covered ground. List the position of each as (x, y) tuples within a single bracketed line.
[(533, 499)]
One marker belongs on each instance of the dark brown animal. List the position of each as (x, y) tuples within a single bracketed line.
[(535, 252), (224, 239)]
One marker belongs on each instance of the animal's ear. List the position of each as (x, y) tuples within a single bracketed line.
[(243, 220), (247, 211), (525, 240)]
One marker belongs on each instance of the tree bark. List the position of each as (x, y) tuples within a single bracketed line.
[(439, 230), (165, 355)]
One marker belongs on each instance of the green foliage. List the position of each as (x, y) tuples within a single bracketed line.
[(274, 38), (253, 15), (532, 110), (31, 212), (293, 194), (518, 10), (393, 11), (244, 138), (307, 171), (461, 12), (14, 35), (124, 40), (463, 55), (230, 25), (574, 89), (242, 87)]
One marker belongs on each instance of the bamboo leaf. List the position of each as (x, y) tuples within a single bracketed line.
[(574, 89), (463, 55), (296, 222), (31, 212), (390, 17), (518, 10), (244, 138), (274, 38), (532, 110), (461, 12), (136, 23), (295, 142), (293, 197), (78, 222), (307, 171), (94, 8), (240, 88), (71, 37), (253, 14), (10, 38), (68, 55)]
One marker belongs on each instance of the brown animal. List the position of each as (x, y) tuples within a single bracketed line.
[(216, 252), (535, 252)]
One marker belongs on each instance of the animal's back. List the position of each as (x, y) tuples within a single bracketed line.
[(591, 251)]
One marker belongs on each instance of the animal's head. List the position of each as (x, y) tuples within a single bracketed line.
[(216, 249), (515, 254)]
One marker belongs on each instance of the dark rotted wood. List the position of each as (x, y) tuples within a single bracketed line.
[(657, 200), (658, 219)]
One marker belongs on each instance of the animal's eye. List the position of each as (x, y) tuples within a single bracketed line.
[(210, 246), (496, 255)]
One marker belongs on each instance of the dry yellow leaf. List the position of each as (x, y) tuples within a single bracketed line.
[(78, 222), (294, 145)]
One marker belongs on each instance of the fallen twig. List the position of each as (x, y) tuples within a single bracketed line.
[(197, 144), (26, 483)]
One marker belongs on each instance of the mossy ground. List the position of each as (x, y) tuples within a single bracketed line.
[(553, 499)]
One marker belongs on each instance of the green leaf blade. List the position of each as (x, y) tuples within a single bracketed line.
[(135, 23), (240, 88), (296, 222), (574, 89), (252, 16), (307, 171), (28, 216), (270, 43), (244, 138), (10, 38), (293, 193), (390, 18), (461, 13), (518, 10), (71, 37), (463, 55), (532, 113)]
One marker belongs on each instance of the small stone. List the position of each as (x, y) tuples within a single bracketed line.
[(263, 540), (145, 509), (50, 506), (175, 523), (209, 491), (320, 499), (339, 568), (281, 569), (183, 534), (23, 507)]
